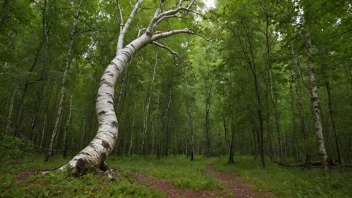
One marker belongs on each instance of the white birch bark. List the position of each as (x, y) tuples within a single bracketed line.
[(93, 156), (315, 104)]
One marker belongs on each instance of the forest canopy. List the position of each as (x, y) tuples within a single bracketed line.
[(265, 78)]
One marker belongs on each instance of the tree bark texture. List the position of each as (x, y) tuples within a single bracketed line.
[(315, 105), (93, 156)]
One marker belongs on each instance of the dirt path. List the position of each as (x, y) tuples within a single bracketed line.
[(233, 186), (170, 190)]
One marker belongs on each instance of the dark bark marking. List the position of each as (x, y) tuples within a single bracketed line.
[(103, 166), (104, 81), (101, 113), (110, 95), (111, 74), (81, 167), (116, 66), (113, 134), (110, 102), (84, 153), (93, 146), (114, 124), (106, 145)]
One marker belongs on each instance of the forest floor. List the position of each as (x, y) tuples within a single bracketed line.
[(173, 176), (233, 187)]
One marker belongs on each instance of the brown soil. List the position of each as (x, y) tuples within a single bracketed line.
[(22, 177), (233, 184), (170, 190), (234, 187)]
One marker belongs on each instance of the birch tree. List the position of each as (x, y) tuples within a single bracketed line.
[(93, 156)]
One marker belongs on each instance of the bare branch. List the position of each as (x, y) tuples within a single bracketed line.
[(180, 3), (173, 53), (139, 30), (189, 6), (159, 17), (5, 118), (171, 33), (121, 17), (126, 25)]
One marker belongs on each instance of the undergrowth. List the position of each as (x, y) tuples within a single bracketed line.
[(20, 176), (288, 181), (179, 171)]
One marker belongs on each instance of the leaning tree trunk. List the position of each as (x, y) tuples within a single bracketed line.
[(93, 156), (315, 104)]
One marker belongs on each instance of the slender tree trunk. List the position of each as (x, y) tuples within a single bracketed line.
[(43, 134), (63, 84), (293, 121), (315, 105), (65, 130), (163, 121), (133, 128), (46, 30), (10, 110), (232, 145), (336, 136), (192, 140), (300, 106), (145, 121), (272, 83), (251, 63), (207, 122)]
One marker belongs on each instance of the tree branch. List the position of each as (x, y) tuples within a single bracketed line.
[(121, 16), (171, 33), (173, 53), (126, 25)]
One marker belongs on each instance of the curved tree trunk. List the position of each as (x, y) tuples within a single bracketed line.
[(93, 156)]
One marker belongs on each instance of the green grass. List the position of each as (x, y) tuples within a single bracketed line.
[(290, 182), (58, 184), (18, 177), (179, 171)]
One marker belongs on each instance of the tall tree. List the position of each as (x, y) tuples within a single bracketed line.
[(101, 146)]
